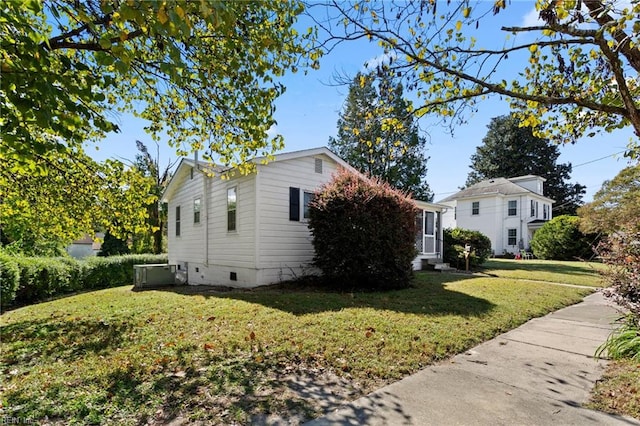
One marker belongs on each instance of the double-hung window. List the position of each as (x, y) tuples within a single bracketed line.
[(299, 204), (232, 204), (196, 210), (177, 221), (513, 207), (475, 208), (512, 236)]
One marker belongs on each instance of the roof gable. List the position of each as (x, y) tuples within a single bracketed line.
[(185, 166)]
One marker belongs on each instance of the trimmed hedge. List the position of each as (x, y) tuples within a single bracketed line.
[(26, 280), (456, 239), (9, 279)]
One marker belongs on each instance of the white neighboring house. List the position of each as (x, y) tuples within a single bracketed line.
[(86, 246), (246, 231), (508, 211)]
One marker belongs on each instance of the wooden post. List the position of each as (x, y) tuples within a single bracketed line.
[(467, 253)]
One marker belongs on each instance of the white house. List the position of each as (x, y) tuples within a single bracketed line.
[(85, 246), (508, 211), (245, 231)]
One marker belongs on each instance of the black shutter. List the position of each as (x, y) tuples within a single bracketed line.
[(294, 203)]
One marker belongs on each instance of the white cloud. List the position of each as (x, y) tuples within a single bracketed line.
[(384, 58)]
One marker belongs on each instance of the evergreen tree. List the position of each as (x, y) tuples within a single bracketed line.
[(113, 246), (509, 150), (378, 135), (157, 213)]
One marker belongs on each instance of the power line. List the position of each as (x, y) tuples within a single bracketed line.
[(599, 159)]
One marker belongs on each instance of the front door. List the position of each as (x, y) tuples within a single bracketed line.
[(429, 232)]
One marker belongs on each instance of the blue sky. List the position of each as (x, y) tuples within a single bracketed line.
[(308, 112)]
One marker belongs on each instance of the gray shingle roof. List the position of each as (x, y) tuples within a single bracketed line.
[(495, 186)]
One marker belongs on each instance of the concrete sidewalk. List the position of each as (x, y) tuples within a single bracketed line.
[(537, 374)]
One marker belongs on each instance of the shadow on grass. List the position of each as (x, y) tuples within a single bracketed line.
[(556, 267), (61, 338), (229, 389), (428, 295)]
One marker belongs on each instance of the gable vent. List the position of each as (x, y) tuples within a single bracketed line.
[(318, 165)]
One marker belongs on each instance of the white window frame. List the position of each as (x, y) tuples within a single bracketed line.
[(475, 211), (515, 237), (197, 209), (304, 205), (509, 208), (234, 209), (177, 220)]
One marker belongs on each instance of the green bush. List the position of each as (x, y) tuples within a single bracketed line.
[(29, 279), (561, 239), (43, 277), (9, 279), (112, 271), (456, 239), (363, 233)]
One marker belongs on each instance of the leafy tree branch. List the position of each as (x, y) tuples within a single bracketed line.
[(577, 77)]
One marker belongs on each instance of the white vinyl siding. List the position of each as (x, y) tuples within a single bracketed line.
[(187, 243), (232, 248), (285, 242)]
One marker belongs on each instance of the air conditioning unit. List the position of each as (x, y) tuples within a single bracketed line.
[(181, 277), (154, 275)]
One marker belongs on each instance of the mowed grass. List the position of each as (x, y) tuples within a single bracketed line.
[(577, 273), (118, 356)]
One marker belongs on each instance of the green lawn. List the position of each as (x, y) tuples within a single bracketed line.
[(579, 273), (124, 357)]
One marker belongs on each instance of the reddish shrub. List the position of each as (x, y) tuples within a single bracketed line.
[(363, 233)]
